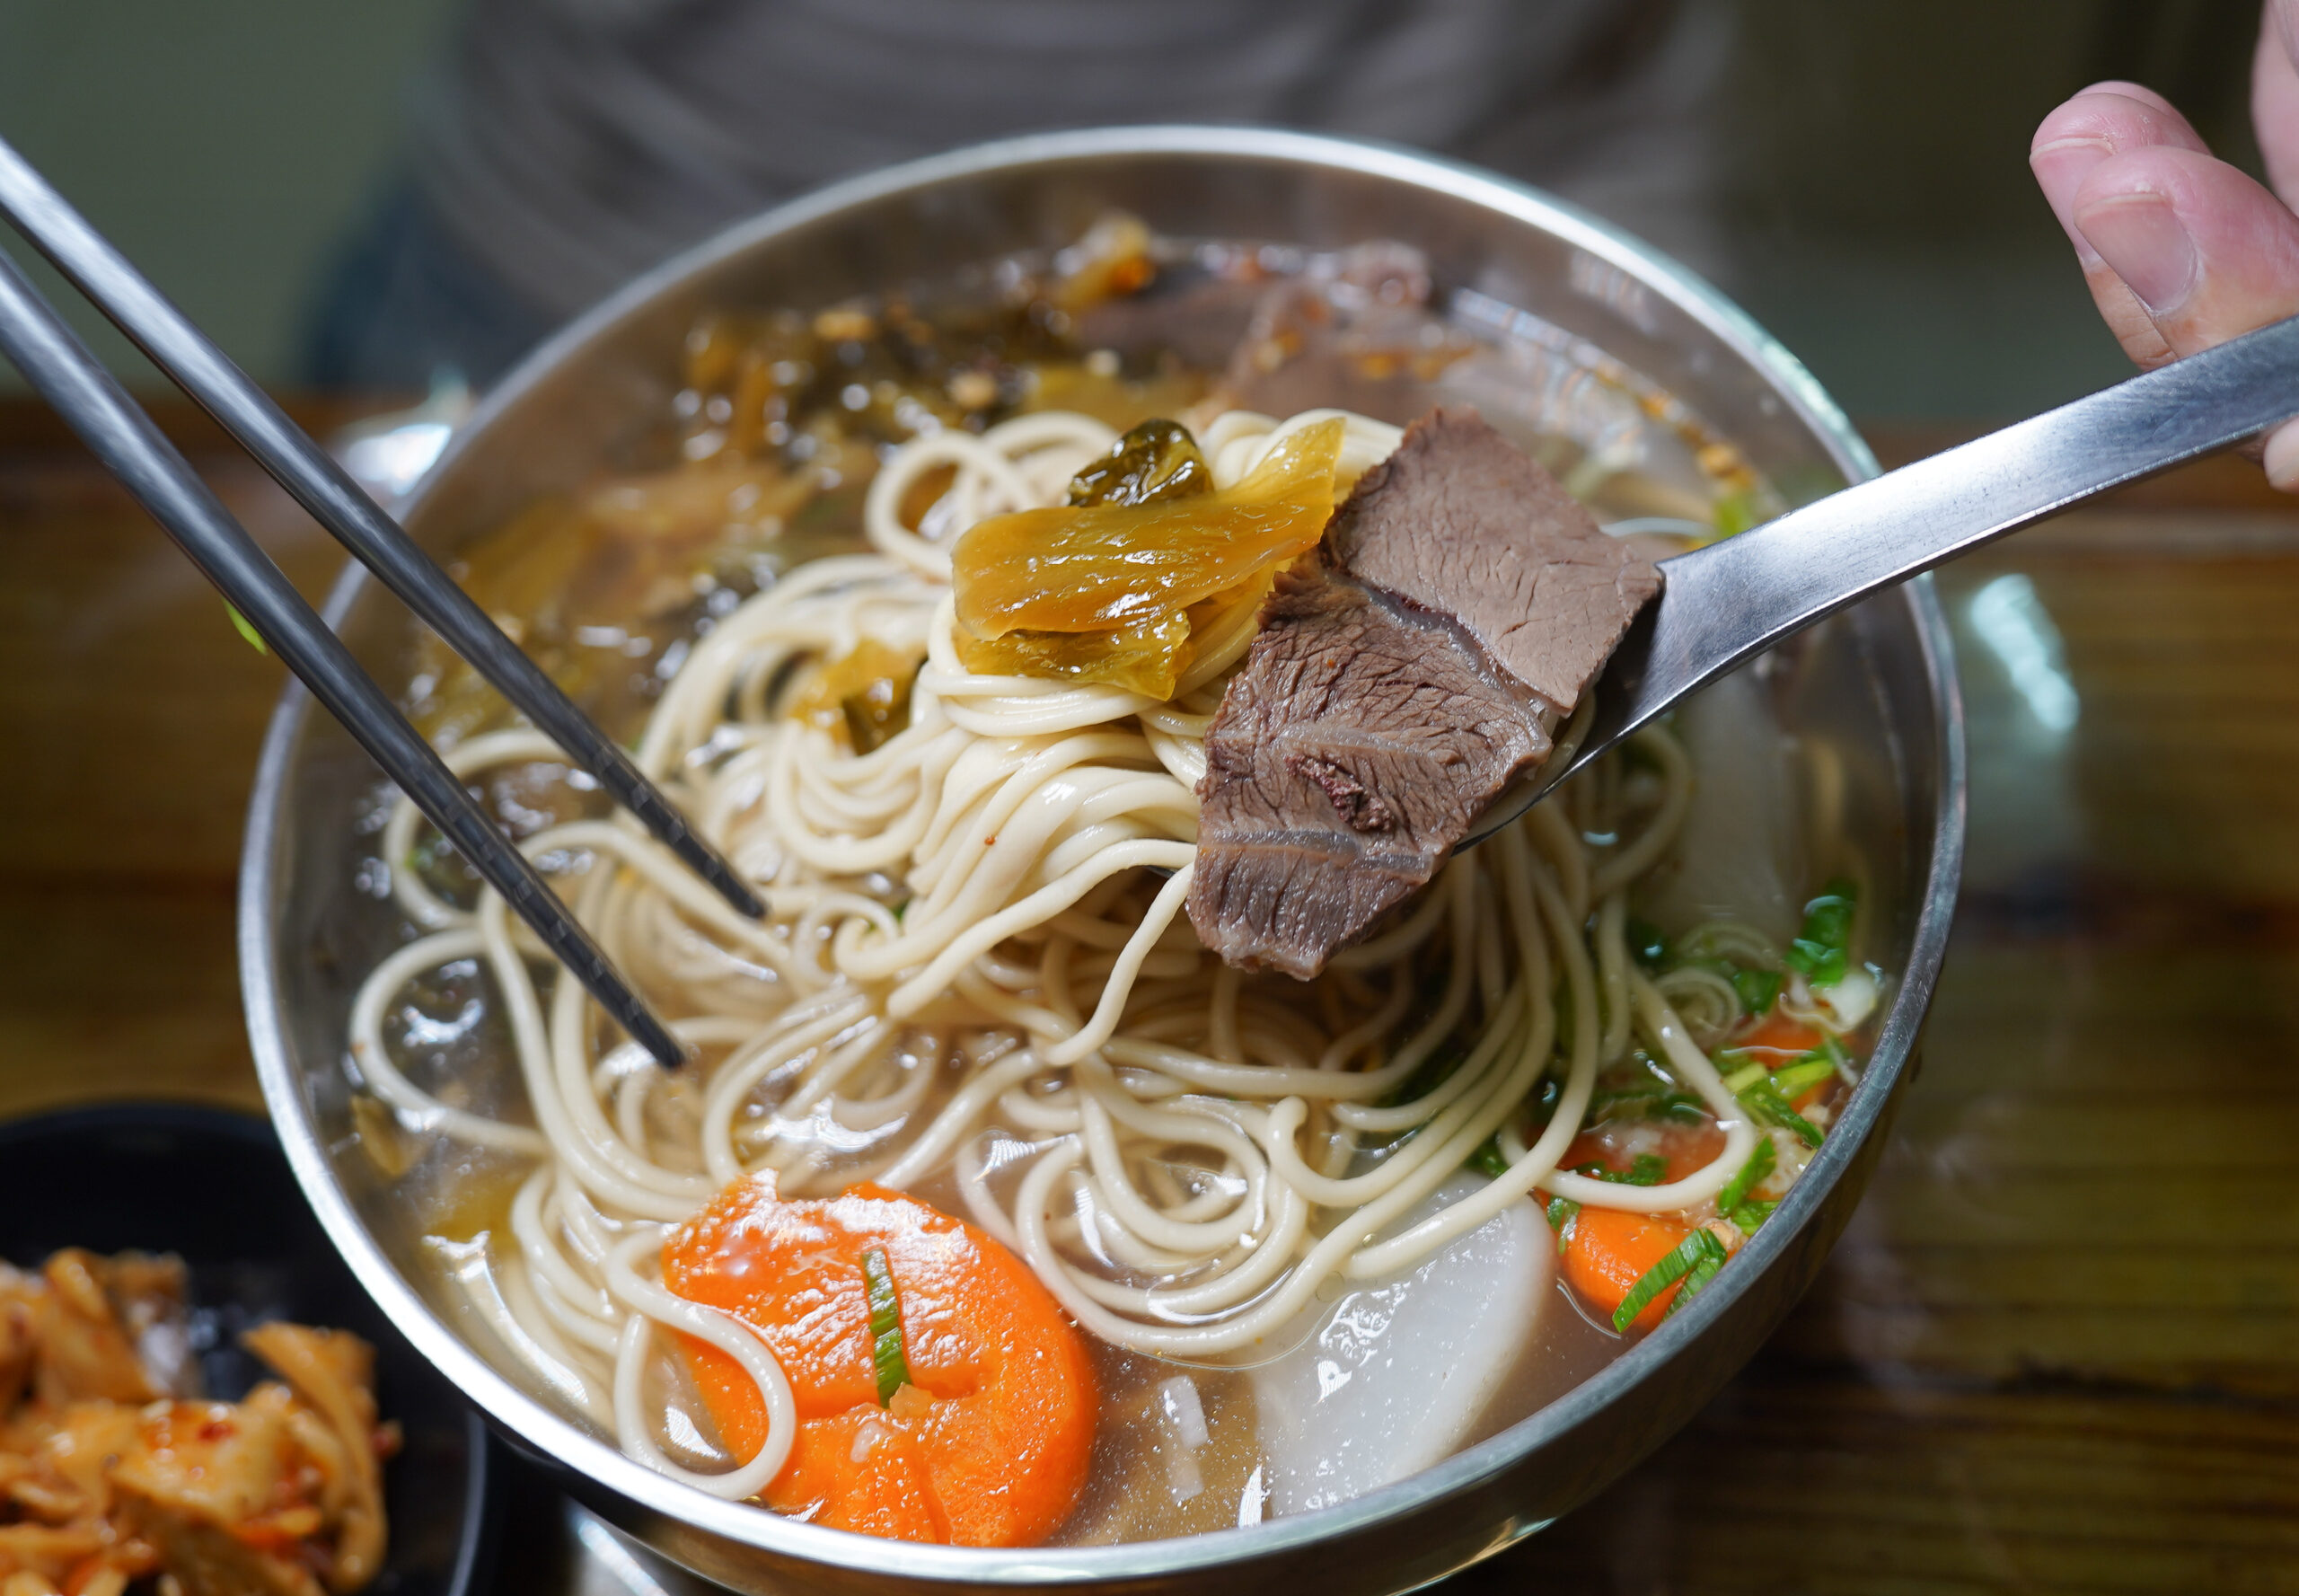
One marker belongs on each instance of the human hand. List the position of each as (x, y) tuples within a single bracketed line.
[(2182, 250)]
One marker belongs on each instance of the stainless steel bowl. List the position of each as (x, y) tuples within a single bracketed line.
[(1878, 684)]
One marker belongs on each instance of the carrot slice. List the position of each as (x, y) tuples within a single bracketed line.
[(989, 1444), (1608, 1251)]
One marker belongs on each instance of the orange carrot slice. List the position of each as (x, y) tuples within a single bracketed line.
[(989, 1444), (1608, 1251)]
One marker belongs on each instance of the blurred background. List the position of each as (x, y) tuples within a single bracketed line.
[(1855, 176)]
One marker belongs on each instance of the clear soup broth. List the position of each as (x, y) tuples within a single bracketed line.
[(1603, 1043)]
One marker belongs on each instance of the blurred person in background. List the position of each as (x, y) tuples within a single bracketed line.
[(2182, 250), (562, 146)]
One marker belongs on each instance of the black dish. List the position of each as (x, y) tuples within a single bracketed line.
[(214, 1187)]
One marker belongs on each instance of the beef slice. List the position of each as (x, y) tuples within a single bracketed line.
[(1459, 521), (1405, 675), (1363, 737)]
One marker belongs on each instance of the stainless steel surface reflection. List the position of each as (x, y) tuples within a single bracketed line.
[(1876, 684)]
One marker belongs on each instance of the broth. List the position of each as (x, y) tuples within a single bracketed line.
[(770, 451)]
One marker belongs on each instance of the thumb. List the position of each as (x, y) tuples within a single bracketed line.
[(2207, 253)]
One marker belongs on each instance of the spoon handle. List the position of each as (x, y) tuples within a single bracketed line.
[(1723, 603)]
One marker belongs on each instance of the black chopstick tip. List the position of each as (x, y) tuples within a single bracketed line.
[(737, 892), (656, 1037)]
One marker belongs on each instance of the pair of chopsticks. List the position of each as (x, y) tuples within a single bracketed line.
[(69, 376)]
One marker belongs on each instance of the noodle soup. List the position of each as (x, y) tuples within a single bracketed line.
[(993, 1208)]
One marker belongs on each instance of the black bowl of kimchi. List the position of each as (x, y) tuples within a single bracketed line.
[(209, 1188)]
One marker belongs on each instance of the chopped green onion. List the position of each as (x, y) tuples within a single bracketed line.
[(1488, 1160), (899, 910), (1646, 945), (1823, 951), (1543, 1101), (1700, 1274), (1681, 1260), (1645, 1169), (1763, 1100), (240, 624), (1562, 1212), (1792, 1080), (1745, 1077), (1758, 989), (1736, 512), (885, 1326), (1753, 1174), (1426, 1078), (1749, 1216), (1649, 1101)]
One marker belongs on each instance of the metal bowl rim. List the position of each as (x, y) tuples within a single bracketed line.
[(556, 1436)]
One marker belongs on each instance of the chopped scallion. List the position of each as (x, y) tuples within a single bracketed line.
[(1822, 951), (1792, 1080), (1562, 1212), (1700, 1274), (1645, 1168), (1646, 945), (246, 629), (1745, 1077), (1427, 1077), (1749, 1216), (1680, 1261), (1736, 512), (886, 1357), (1488, 1160), (1753, 1174), (1649, 1101), (1763, 1100), (1543, 1101), (1758, 989)]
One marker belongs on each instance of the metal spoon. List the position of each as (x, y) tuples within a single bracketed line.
[(1724, 603)]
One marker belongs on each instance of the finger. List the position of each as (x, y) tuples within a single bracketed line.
[(2204, 251), (2275, 96), (2104, 120)]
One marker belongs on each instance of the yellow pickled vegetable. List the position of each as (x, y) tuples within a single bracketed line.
[(1101, 593), (865, 694)]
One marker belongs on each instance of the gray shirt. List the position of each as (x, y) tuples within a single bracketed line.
[(570, 144)]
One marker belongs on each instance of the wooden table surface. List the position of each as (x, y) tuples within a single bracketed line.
[(2059, 1348)]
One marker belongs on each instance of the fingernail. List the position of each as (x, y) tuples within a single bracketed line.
[(2141, 239), (2286, 23), (2282, 461)]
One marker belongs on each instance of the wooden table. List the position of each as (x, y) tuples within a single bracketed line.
[(2059, 1348)]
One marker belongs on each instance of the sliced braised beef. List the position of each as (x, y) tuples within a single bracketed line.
[(1356, 334), (1351, 753), (1459, 521), (1403, 675)]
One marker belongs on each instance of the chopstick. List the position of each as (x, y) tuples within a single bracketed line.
[(69, 376), (324, 489)]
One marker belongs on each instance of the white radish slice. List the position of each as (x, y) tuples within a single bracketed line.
[(1399, 1374)]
